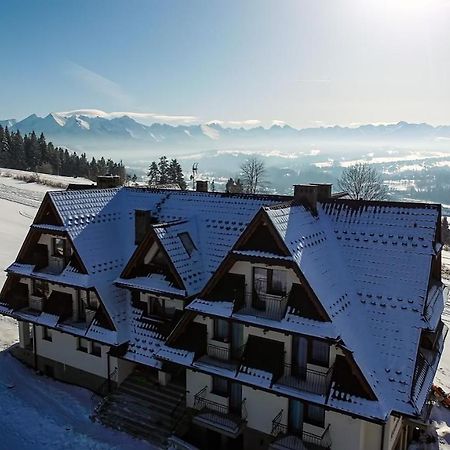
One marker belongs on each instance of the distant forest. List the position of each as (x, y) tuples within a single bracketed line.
[(34, 154)]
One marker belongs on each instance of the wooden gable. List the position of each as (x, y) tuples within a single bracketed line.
[(261, 235), (47, 213), (160, 262)]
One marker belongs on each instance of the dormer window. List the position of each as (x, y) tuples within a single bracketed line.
[(187, 243), (58, 247)]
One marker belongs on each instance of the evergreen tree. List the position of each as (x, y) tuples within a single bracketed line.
[(153, 174), (445, 231), (163, 168), (175, 174)]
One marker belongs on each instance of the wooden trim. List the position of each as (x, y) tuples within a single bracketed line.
[(141, 251), (357, 372), (47, 203), (261, 219)]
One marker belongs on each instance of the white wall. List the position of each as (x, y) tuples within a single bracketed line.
[(262, 407), (346, 433), (63, 348)]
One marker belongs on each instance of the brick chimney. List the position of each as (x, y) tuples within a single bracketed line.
[(108, 181), (201, 186), (323, 191)]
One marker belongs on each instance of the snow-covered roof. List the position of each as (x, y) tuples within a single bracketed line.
[(369, 266), (367, 263), (100, 223)]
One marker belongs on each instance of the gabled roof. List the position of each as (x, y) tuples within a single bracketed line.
[(369, 266), (100, 224)]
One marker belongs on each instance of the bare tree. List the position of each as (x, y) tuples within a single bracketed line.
[(252, 172), (362, 182)]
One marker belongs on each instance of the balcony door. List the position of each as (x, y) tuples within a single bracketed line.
[(237, 339), (299, 356), (295, 418), (235, 398)]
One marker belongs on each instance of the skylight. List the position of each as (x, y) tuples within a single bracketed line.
[(187, 242)]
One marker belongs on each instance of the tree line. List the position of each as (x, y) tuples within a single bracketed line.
[(35, 154)]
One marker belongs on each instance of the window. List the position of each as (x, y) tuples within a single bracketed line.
[(82, 345), (156, 306), (92, 301), (220, 386), (315, 415), (58, 247), (81, 308), (187, 243), (319, 353), (96, 349), (39, 288), (221, 330), (269, 281), (47, 334)]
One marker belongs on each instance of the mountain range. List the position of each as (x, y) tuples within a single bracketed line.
[(87, 132)]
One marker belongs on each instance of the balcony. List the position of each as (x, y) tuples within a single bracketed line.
[(268, 306), (219, 417), (287, 439), (309, 380), (221, 353)]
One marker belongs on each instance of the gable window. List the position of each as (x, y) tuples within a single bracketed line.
[(58, 247), (221, 330), (81, 308), (156, 306), (96, 349), (186, 240), (82, 345), (269, 281), (92, 300), (39, 288), (220, 386), (315, 415), (319, 353), (47, 334)]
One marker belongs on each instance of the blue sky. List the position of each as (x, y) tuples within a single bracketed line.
[(307, 63)]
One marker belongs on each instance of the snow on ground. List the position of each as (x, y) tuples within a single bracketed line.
[(39, 413)]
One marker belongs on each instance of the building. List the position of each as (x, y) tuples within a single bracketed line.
[(236, 321)]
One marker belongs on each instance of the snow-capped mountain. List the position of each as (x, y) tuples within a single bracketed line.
[(87, 128)]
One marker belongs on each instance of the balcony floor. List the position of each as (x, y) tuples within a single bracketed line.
[(226, 424)]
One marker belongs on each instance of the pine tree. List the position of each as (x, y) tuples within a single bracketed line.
[(163, 168), (153, 174), (445, 231), (175, 174)]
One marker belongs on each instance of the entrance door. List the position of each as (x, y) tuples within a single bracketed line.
[(299, 356), (295, 419), (237, 339)]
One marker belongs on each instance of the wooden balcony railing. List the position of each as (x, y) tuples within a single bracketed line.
[(309, 380), (281, 431)]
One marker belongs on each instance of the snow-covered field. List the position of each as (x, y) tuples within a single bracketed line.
[(39, 413)]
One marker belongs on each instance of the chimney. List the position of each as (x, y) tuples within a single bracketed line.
[(108, 181), (307, 194), (201, 186), (323, 191)]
